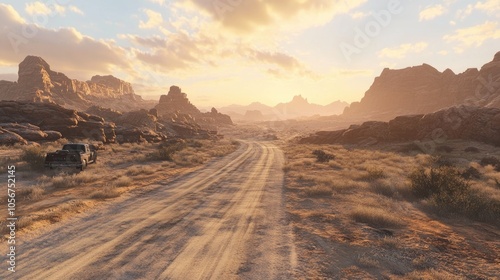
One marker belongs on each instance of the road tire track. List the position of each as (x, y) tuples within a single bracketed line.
[(225, 221)]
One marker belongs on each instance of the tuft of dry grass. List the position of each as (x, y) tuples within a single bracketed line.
[(105, 193), (319, 191), (123, 181), (376, 217), (34, 193)]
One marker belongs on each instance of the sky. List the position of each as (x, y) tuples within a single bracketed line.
[(223, 52)]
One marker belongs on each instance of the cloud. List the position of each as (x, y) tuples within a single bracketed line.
[(253, 16), (66, 48), (285, 62), (37, 8), (463, 13), (489, 6), (40, 8), (155, 19), (159, 2), (431, 12), (76, 10), (473, 36), (403, 50)]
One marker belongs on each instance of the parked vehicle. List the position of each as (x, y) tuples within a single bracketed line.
[(72, 155)]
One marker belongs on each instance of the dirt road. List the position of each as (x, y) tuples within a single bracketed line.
[(225, 221)]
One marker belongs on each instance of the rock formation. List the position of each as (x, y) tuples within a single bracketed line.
[(37, 82), (464, 122), (142, 125), (49, 122), (423, 89), (176, 108)]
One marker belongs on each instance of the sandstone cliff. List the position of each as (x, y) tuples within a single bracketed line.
[(37, 82), (423, 89)]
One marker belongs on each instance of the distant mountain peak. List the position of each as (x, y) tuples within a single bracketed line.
[(299, 99)]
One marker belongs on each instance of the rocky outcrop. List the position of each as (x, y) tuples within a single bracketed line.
[(143, 125), (37, 82), (176, 102), (464, 122), (48, 121), (423, 89), (31, 132), (175, 107)]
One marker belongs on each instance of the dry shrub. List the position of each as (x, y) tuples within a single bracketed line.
[(34, 193), (376, 217), (105, 193), (166, 150), (383, 188), (73, 180), (123, 181), (367, 261), (140, 170), (322, 156), (34, 156), (373, 174), (471, 173), (319, 191), (448, 190)]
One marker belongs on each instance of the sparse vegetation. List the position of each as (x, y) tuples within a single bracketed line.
[(471, 173), (376, 217), (319, 191), (105, 193), (166, 150), (321, 156), (373, 174), (373, 214), (34, 156), (493, 161), (448, 190)]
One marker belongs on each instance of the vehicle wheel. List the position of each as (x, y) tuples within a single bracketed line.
[(84, 165)]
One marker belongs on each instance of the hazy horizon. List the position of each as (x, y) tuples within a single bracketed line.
[(239, 52)]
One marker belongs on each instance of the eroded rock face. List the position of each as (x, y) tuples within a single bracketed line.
[(464, 122), (423, 89), (37, 82)]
